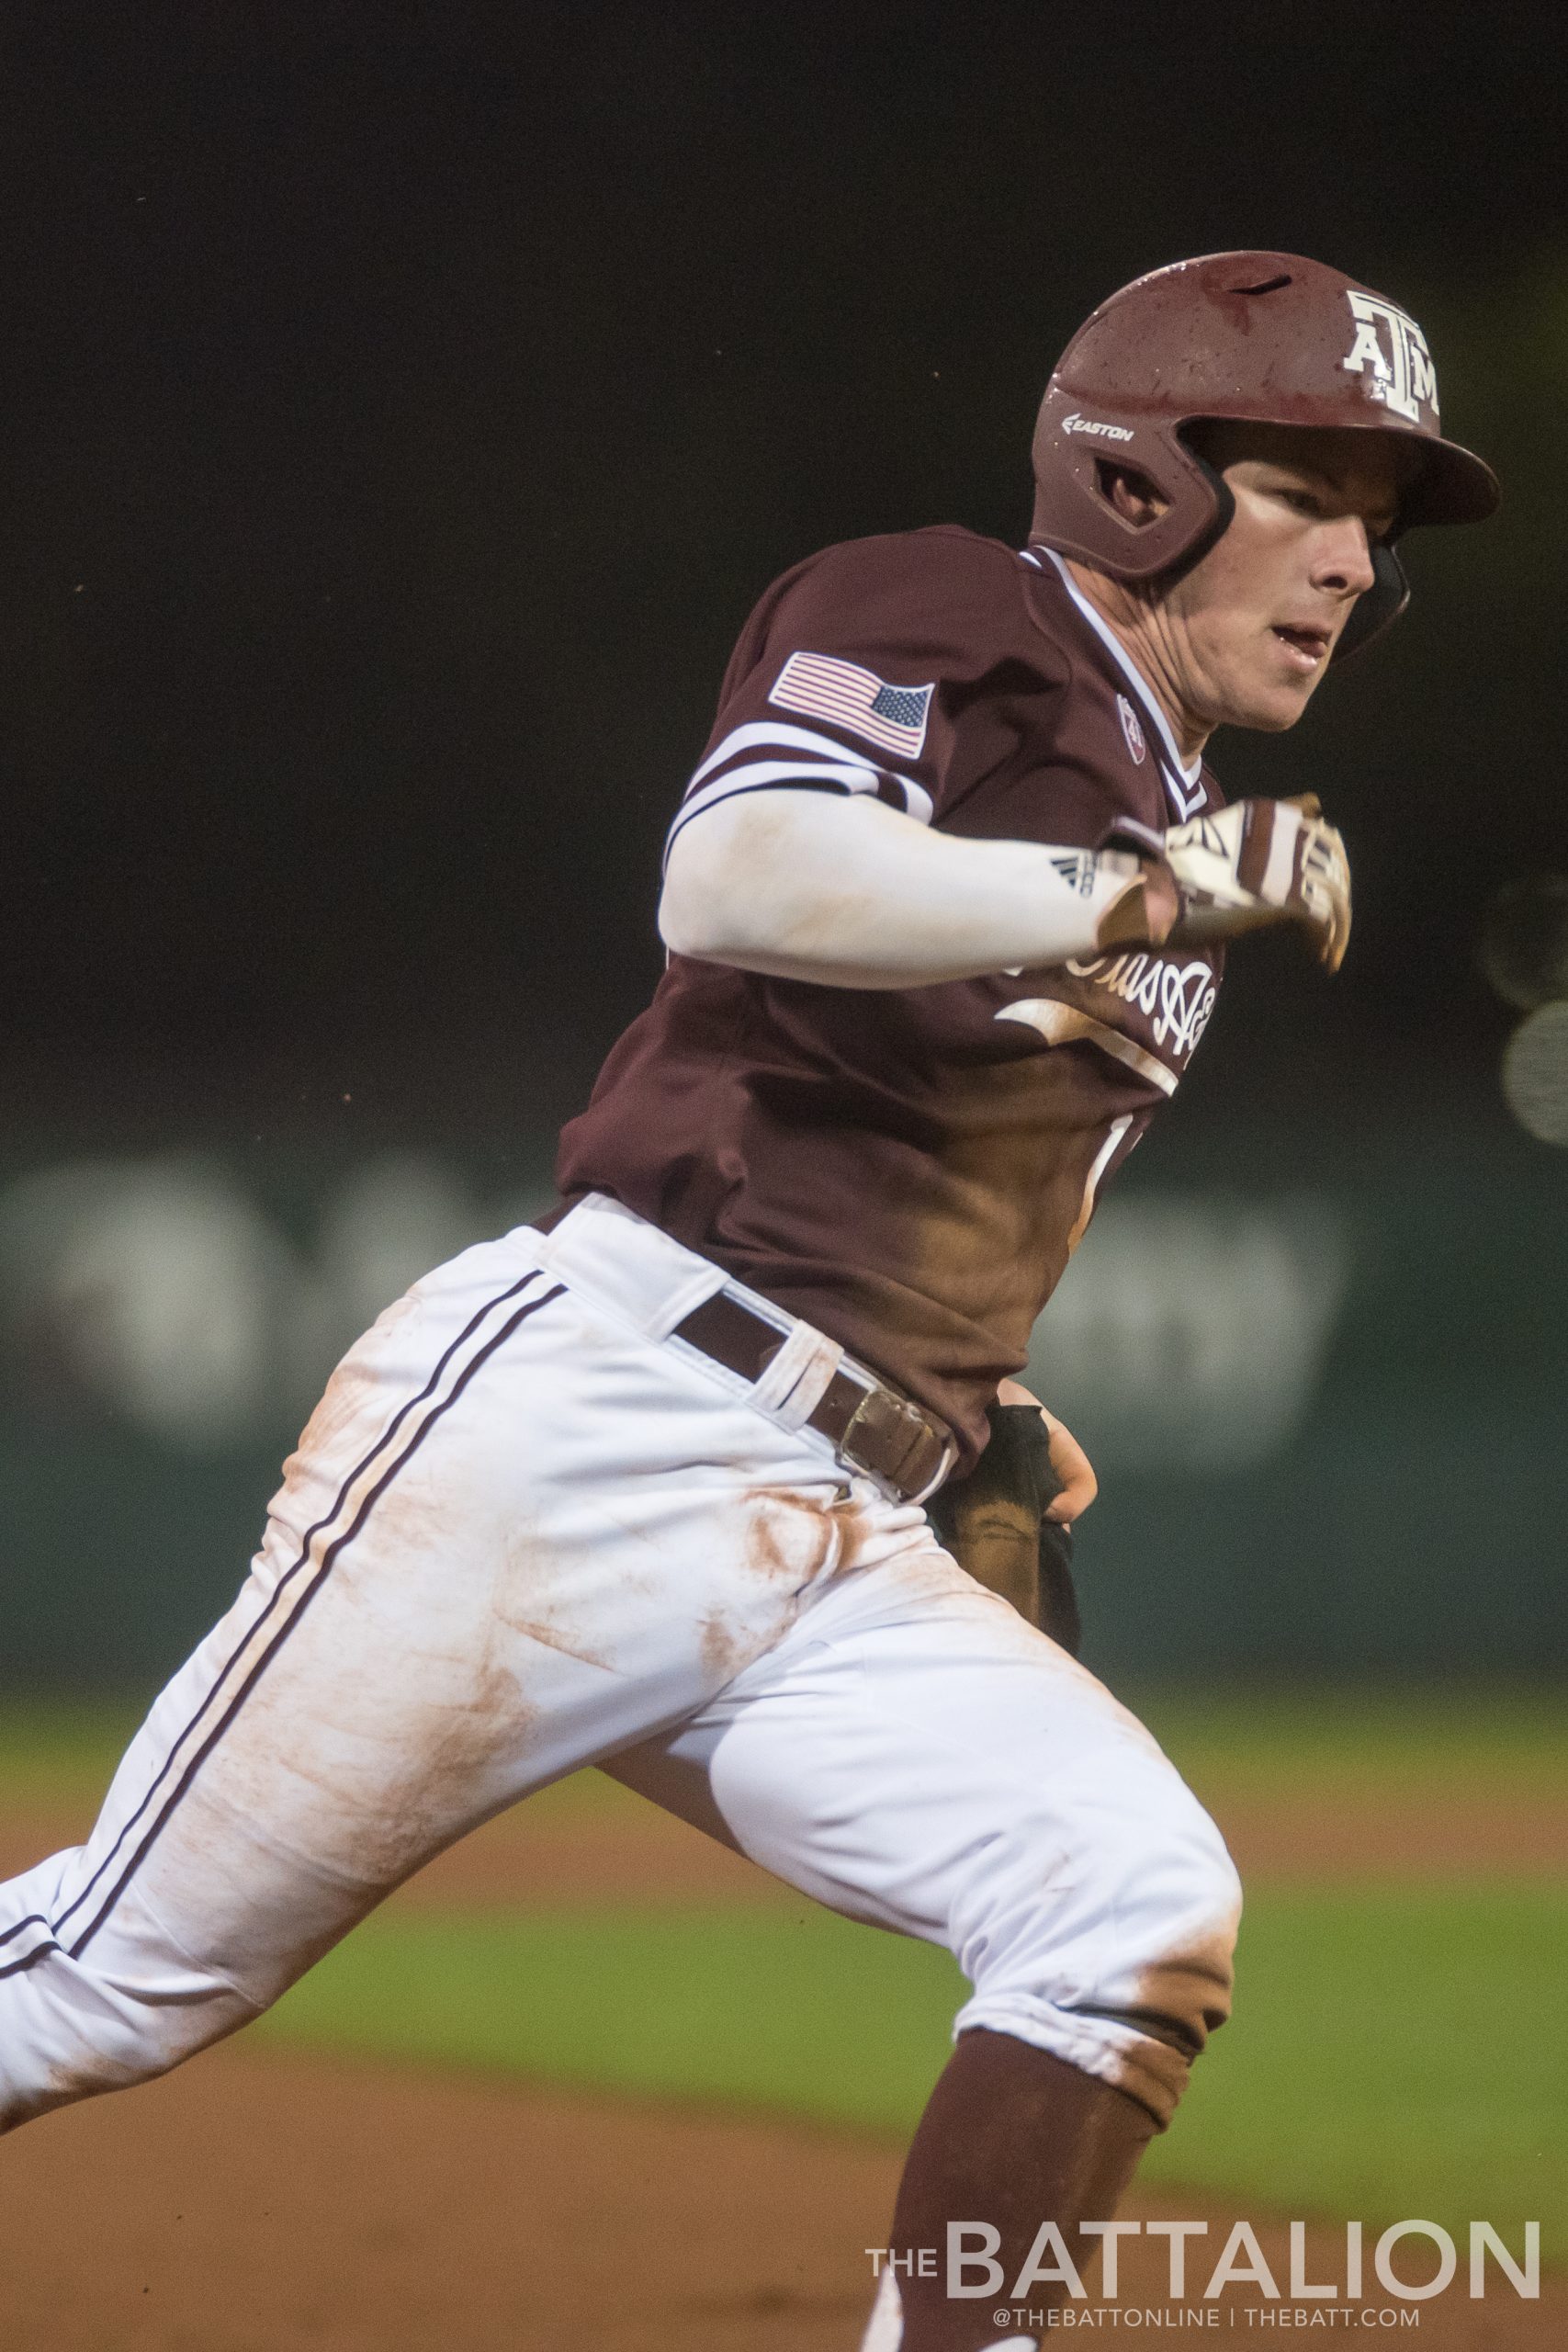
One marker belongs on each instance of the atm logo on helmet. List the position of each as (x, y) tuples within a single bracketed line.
[(1393, 348)]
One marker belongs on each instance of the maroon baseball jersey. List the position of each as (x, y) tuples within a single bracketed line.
[(910, 1169)]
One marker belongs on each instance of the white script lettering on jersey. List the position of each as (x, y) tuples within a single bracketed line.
[(1177, 997), (1394, 349)]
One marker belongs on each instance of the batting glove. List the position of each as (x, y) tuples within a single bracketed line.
[(1261, 862)]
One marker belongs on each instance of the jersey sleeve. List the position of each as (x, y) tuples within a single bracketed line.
[(850, 677)]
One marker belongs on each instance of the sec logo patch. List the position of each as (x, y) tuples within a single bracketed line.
[(1132, 727)]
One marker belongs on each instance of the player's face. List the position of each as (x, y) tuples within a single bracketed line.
[(1251, 626)]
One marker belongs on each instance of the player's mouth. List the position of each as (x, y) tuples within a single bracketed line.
[(1307, 644)]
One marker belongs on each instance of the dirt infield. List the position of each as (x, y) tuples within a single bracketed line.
[(268, 2204)]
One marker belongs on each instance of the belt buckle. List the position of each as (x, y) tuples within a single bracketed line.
[(947, 1455), (880, 1410)]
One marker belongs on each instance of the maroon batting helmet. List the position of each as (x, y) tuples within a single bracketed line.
[(1267, 338)]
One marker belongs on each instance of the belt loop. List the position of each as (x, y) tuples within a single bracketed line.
[(793, 1385)]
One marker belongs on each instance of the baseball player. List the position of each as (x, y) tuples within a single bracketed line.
[(645, 1484)]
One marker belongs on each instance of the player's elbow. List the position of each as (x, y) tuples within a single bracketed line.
[(690, 914), (759, 880), (683, 931), (712, 880)]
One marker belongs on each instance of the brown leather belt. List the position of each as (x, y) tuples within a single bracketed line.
[(869, 1425)]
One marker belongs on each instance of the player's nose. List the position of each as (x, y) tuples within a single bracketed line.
[(1342, 558)]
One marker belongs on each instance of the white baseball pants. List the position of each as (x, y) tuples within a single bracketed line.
[(527, 1530)]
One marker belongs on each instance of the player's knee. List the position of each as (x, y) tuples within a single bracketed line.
[(1174, 1974), (62, 2068), (74, 2030), (1120, 1961), (1172, 1906)]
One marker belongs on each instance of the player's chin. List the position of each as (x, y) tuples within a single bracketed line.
[(1269, 698)]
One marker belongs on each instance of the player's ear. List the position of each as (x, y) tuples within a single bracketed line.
[(1135, 497)]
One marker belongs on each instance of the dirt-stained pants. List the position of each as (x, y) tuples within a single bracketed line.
[(527, 1530)]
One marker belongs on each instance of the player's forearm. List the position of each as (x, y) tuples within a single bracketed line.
[(808, 886)]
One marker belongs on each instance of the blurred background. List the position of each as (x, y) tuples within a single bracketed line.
[(403, 408), (403, 405)]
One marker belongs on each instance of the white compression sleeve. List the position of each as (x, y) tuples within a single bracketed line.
[(813, 887)]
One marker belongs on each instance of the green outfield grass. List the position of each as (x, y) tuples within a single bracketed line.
[(1506, 1740), (60, 1752)]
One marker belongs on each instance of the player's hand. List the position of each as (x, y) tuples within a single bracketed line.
[(1069, 1462), (1144, 910), (1261, 862)]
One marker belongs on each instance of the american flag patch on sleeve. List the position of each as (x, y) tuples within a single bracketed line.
[(894, 718)]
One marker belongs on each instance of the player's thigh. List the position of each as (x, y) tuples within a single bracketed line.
[(308, 1752), (512, 1538), (914, 1754)]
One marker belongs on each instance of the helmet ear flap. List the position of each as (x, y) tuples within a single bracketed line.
[(1073, 453), (1220, 522), (1379, 606)]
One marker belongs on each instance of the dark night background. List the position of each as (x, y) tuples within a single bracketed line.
[(406, 403), (404, 406)]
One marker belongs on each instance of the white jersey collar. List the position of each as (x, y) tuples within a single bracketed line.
[(1125, 662)]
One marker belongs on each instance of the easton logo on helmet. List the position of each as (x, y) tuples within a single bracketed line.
[(1076, 424), (1394, 349)]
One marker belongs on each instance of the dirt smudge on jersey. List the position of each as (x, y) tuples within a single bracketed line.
[(730, 1639), (406, 1528), (341, 1403), (723, 1648), (550, 1637), (1192, 1987), (1176, 2004), (348, 1391), (793, 1538), (361, 1801), (379, 1731), (531, 1596)]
